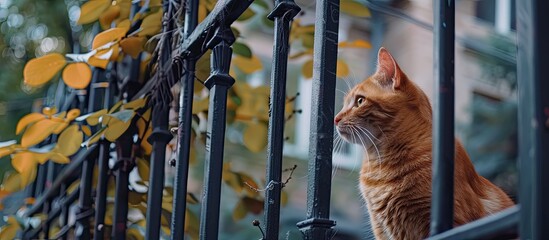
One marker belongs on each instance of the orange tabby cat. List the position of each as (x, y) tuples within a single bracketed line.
[(391, 117)]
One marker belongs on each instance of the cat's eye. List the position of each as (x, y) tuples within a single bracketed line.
[(359, 101)]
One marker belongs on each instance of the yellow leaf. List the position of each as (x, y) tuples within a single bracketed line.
[(92, 9), (168, 206), (49, 111), (283, 198), (69, 141), (77, 75), (255, 206), (6, 151), (73, 186), (26, 120), (126, 24), (12, 183), (25, 164), (355, 9), (151, 24), (240, 210), (108, 16), (191, 198), (86, 130), (41, 70), (307, 69), (38, 132), (60, 127), (9, 231), (96, 62), (133, 45), (143, 169), (59, 158), (125, 9), (134, 234), (107, 36), (202, 69), (200, 105), (355, 44), (249, 184), (93, 139), (247, 65), (73, 114), (29, 200), (342, 68), (255, 136), (93, 119), (191, 224), (116, 128), (135, 104)]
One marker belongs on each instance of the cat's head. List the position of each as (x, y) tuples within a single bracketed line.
[(382, 105)]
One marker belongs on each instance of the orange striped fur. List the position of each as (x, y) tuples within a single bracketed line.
[(391, 117)]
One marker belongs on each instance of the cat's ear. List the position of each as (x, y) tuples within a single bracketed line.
[(388, 71)]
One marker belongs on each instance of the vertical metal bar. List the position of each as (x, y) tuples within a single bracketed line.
[(442, 205), (533, 113), (282, 14), (219, 83), (159, 137), (101, 190), (85, 210), (184, 130), (124, 148), (64, 218), (318, 225)]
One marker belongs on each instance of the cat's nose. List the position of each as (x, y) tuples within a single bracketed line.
[(337, 119)]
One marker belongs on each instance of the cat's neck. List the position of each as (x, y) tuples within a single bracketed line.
[(401, 144)]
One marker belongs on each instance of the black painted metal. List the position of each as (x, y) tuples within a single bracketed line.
[(502, 225), (124, 154), (219, 83), (159, 137), (72, 168), (101, 190), (184, 129), (318, 225), (283, 13), (442, 206), (533, 116), (85, 210), (224, 14)]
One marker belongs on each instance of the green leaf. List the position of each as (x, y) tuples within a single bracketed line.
[(124, 115), (355, 9), (249, 13), (242, 49)]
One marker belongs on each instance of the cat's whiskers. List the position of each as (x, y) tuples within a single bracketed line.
[(362, 143), (367, 133)]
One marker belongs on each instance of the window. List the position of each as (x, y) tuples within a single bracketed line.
[(498, 13)]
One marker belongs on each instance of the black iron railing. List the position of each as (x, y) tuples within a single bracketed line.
[(52, 181)]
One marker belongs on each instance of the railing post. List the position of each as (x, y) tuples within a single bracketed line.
[(219, 83), (160, 135), (101, 190), (442, 204), (283, 13), (318, 225), (533, 116), (103, 169), (184, 129)]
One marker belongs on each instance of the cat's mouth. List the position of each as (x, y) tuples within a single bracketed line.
[(357, 134)]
